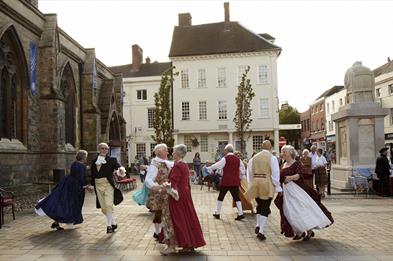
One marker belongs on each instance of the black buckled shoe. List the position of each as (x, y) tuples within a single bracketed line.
[(114, 227), (261, 237), (109, 230), (156, 236), (298, 237), (56, 226), (256, 230), (240, 217), (217, 216)]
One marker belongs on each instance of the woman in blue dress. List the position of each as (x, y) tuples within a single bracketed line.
[(64, 204)]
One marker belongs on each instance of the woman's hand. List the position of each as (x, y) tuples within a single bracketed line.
[(288, 179)]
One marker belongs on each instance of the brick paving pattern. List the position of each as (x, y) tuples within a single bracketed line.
[(363, 230)]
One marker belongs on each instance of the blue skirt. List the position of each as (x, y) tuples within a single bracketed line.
[(64, 204), (140, 196)]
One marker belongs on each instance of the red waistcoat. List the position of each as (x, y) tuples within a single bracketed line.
[(231, 173)]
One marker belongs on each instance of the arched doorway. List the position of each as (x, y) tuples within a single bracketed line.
[(13, 86), (67, 87)]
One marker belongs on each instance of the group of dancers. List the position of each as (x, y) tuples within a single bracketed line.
[(167, 193)]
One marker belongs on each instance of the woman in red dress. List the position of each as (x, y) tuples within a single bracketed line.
[(184, 229), (293, 171)]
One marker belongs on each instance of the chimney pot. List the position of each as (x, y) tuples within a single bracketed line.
[(185, 19), (148, 61), (226, 9), (389, 59), (137, 57)]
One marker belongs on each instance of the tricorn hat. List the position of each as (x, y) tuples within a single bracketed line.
[(383, 150)]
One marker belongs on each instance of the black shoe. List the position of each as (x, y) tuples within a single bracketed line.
[(298, 237), (56, 226), (256, 230), (217, 216), (239, 217), (308, 236), (261, 237), (156, 236), (114, 227), (109, 230)]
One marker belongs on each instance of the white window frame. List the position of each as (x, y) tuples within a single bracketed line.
[(202, 78), (150, 117), (327, 108), (204, 143), (340, 102), (378, 92), (202, 110), (152, 146), (188, 142), (257, 141), (263, 74), (222, 110), (184, 79), (264, 109), (221, 77), (333, 107), (140, 149), (142, 91), (240, 70), (390, 89), (183, 112)]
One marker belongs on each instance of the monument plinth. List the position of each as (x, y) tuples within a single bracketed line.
[(359, 126)]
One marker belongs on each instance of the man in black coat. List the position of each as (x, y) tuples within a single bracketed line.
[(382, 169), (107, 195)]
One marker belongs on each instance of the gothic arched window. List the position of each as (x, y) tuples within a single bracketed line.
[(67, 87), (13, 86)]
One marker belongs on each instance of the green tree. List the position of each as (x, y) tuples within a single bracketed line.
[(290, 115), (243, 112), (162, 121)]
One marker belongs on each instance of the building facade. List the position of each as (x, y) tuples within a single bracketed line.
[(335, 99), (55, 97), (305, 132), (211, 59), (384, 94), (140, 81), (317, 118)]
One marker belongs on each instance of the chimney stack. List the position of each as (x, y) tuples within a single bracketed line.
[(147, 60), (137, 58), (185, 19), (389, 59), (226, 9)]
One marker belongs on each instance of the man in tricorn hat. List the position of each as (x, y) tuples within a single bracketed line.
[(382, 169)]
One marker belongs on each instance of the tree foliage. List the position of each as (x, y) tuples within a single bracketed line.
[(290, 115), (162, 121), (243, 112)]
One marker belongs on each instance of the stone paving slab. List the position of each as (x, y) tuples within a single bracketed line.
[(363, 230)]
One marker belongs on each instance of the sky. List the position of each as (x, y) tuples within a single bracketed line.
[(320, 40)]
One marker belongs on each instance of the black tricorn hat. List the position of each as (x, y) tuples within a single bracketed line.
[(383, 150)]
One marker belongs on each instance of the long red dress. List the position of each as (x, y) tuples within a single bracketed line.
[(297, 168), (188, 231)]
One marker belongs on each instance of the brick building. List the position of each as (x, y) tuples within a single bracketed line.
[(305, 132), (55, 96)]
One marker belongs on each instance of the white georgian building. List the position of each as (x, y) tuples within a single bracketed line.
[(384, 95), (210, 60), (140, 82), (333, 102)]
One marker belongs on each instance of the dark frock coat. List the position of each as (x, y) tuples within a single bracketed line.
[(106, 170)]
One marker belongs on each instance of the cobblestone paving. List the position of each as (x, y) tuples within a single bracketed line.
[(363, 230)]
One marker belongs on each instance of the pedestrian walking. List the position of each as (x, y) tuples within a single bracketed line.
[(382, 169)]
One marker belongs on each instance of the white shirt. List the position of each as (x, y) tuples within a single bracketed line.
[(275, 168), (221, 164), (320, 161), (152, 171), (313, 157)]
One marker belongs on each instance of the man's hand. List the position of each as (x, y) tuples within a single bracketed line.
[(287, 180)]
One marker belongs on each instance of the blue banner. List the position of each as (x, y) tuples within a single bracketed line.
[(33, 67)]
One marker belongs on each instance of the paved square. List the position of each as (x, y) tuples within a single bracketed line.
[(363, 230)]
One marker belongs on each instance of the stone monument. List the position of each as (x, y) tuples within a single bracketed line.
[(359, 126)]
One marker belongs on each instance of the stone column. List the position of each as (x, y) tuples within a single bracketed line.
[(276, 141)]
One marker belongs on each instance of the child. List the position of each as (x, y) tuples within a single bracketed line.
[(142, 172)]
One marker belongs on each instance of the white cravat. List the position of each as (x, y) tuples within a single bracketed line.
[(100, 160)]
